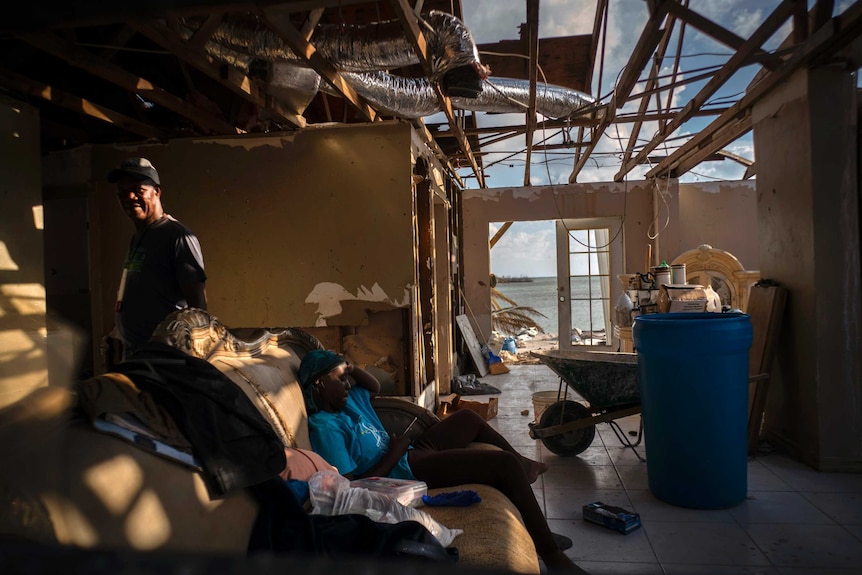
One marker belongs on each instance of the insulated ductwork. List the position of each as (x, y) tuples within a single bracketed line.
[(415, 97), (363, 52), (352, 48)]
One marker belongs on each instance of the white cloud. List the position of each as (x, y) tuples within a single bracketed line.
[(527, 248)]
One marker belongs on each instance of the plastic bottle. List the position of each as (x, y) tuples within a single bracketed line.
[(623, 311)]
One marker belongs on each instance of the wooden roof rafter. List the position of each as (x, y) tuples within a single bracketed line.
[(828, 39), (646, 44), (79, 105), (722, 34), (99, 67), (410, 24), (651, 84), (278, 21), (229, 76), (600, 22), (533, 72), (769, 26)]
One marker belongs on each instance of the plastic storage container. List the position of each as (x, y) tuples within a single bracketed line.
[(693, 375), (405, 491)]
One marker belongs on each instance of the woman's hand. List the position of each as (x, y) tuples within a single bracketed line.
[(362, 378), (398, 444)]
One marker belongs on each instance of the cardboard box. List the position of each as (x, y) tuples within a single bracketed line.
[(612, 517), (682, 298), (453, 402)]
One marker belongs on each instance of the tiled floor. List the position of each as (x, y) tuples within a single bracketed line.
[(795, 520)]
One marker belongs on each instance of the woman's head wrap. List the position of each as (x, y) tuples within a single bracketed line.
[(316, 362)]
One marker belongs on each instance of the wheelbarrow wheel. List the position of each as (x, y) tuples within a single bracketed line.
[(569, 442)]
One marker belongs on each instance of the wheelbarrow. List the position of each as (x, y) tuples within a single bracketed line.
[(607, 380)]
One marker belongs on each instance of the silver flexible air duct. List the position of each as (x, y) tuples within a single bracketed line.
[(415, 97), (352, 48), (513, 95)]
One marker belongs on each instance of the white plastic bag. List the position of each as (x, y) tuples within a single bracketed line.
[(331, 494), (713, 300)]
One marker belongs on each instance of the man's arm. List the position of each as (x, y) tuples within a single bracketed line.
[(195, 294)]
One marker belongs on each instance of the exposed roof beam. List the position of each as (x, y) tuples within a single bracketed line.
[(200, 37), (772, 23), (651, 84), (230, 77), (74, 103), (598, 18), (435, 147), (736, 158), (721, 34), (279, 22), (503, 229), (649, 38), (533, 71), (311, 22), (91, 63), (410, 24), (828, 39)]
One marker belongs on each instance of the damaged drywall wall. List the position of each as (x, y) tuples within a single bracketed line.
[(315, 228)]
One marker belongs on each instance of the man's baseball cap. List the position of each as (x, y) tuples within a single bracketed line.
[(137, 168)]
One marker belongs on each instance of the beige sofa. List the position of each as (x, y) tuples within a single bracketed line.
[(70, 484)]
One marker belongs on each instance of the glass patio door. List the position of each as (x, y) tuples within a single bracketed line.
[(589, 257)]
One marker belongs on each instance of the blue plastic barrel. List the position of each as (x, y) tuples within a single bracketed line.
[(693, 375)]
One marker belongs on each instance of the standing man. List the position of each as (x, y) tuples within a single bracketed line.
[(164, 267)]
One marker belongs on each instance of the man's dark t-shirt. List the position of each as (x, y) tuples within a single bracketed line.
[(161, 257)]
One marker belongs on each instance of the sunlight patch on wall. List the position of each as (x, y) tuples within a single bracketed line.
[(7, 264), (38, 217), (25, 299)]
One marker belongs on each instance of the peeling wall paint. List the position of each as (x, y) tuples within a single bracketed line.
[(250, 143), (720, 187), (329, 297), (537, 193)]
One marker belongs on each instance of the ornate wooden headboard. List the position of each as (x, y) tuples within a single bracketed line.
[(202, 335), (708, 266)]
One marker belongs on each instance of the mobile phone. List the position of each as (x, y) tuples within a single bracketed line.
[(411, 425)]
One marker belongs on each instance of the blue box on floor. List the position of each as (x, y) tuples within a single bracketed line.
[(615, 518)]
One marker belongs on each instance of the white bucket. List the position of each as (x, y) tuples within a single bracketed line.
[(542, 400)]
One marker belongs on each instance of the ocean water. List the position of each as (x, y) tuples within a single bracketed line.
[(541, 295)]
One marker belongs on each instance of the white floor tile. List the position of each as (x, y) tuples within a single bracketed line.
[(808, 545), (778, 507), (795, 520), (703, 543), (844, 508), (596, 543), (652, 510)]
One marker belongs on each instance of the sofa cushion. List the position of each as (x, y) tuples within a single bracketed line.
[(494, 535), (269, 381)]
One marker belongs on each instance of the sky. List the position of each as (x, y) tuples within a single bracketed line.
[(528, 248)]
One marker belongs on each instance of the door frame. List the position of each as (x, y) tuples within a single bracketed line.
[(616, 264)]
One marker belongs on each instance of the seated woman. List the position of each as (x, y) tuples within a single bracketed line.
[(346, 431)]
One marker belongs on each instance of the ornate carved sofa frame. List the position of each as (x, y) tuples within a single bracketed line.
[(69, 484)]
